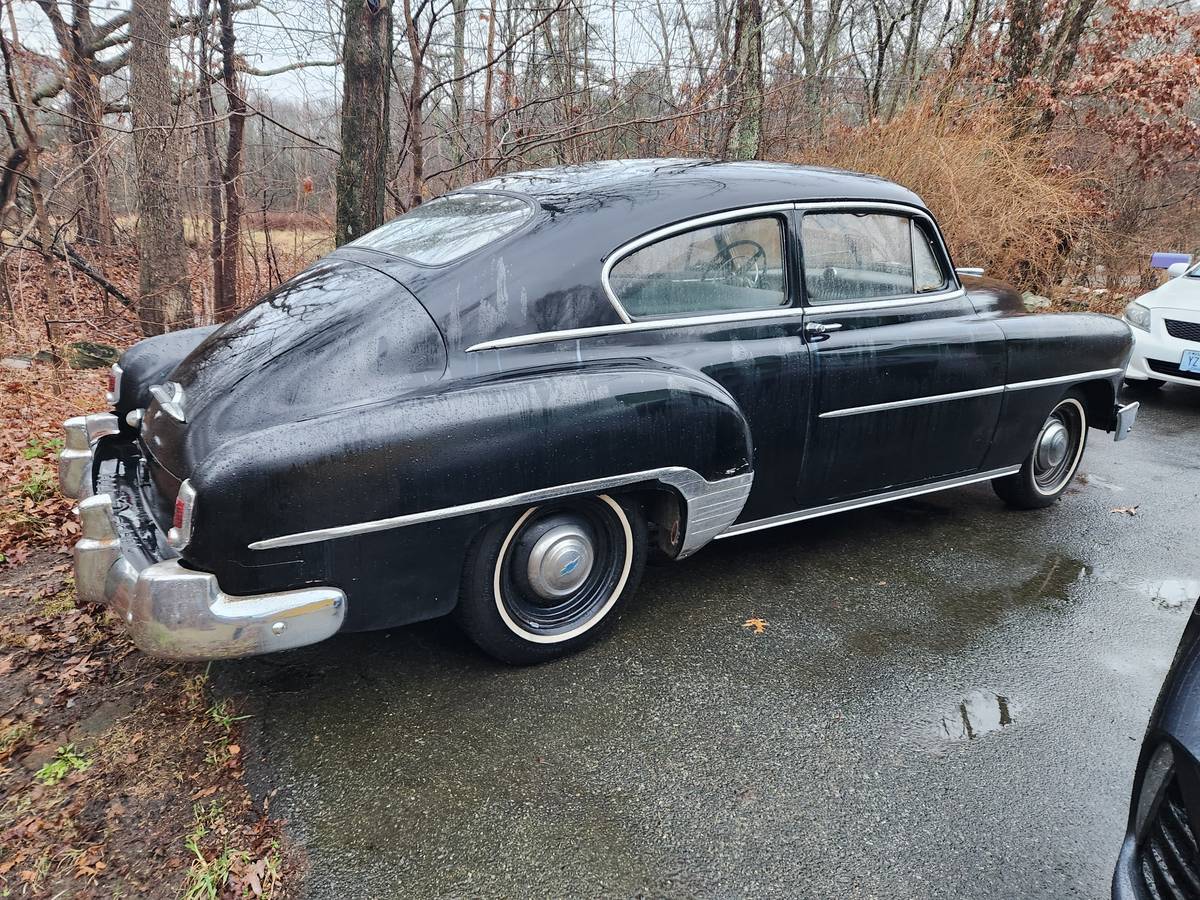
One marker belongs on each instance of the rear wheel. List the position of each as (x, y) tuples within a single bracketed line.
[(1052, 462), (552, 580)]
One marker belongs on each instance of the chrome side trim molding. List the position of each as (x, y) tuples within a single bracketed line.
[(960, 395), (782, 312), (711, 507), (572, 334), (886, 302), (1062, 379), (914, 401), (875, 499)]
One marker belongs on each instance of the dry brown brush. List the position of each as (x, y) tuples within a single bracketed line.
[(999, 198)]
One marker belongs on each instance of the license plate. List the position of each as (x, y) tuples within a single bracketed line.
[(1190, 361)]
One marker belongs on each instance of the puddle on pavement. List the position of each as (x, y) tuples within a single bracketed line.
[(978, 713), (1165, 593)]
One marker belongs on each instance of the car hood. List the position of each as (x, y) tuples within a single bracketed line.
[(338, 335), (1178, 293)]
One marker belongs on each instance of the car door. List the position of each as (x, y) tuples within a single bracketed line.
[(723, 293), (908, 379)]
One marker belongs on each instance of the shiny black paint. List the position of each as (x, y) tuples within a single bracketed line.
[(1175, 720), (350, 395), (150, 361)]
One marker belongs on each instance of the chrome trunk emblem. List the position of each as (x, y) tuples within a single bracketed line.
[(170, 399)]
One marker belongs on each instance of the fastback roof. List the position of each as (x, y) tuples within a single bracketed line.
[(708, 183)]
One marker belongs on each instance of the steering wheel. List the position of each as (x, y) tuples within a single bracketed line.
[(742, 263)]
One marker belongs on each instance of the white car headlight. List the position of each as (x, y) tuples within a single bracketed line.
[(1138, 316)]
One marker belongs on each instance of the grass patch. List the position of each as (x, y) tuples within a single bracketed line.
[(42, 448), (40, 485), (65, 761)]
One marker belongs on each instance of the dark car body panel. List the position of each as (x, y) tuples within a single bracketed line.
[(395, 399), (1175, 720)]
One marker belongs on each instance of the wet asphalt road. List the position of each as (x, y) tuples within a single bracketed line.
[(853, 749)]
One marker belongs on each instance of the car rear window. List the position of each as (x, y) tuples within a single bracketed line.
[(443, 230)]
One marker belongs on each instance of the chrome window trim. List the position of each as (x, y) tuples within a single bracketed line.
[(709, 505), (953, 285), (652, 237), (914, 401), (887, 302), (873, 500), (783, 312), (628, 324)]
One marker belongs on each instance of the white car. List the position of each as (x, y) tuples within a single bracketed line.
[(1166, 328)]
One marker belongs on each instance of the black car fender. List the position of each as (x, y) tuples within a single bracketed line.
[(267, 500), (150, 361)]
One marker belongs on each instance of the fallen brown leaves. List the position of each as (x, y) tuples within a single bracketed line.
[(118, 777)]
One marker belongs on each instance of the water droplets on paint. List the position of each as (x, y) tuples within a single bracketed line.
[(977, 714)]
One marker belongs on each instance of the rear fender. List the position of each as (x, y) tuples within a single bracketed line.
[(477, 447)]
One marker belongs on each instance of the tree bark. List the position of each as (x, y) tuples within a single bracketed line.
[(232, 233), (165, 303), (458, 93), (208, 115), (416, 134), (362, 169), (746, 138)]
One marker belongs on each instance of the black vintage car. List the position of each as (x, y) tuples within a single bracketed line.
[(500, 404)]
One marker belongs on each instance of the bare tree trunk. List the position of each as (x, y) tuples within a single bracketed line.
[(212, 161), (458, 94), (488, 82), (746, 137), (416, 136), (165, 302), (232, 233), (362, 169), (86, 110)]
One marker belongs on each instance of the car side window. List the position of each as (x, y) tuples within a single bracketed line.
[(864, 256), (716, 268)]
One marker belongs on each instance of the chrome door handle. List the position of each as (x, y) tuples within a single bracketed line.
[(819, 328)]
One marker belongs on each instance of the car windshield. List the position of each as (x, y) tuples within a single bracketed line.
[(443, 230)]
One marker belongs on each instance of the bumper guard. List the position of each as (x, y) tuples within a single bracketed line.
[(169, 610)]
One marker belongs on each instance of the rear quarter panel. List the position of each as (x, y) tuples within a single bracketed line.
[(472, 442)]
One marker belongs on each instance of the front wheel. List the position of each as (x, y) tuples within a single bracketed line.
[(552, 580), (1052, 462)]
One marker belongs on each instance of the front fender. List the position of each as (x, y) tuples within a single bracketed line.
[(471, 442), (150, 361)]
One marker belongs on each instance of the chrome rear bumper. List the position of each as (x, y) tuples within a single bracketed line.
[(169, 610)]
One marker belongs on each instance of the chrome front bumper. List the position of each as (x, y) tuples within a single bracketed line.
[(1123, 420), (169, 610)]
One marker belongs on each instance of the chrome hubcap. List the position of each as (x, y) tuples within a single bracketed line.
[(1053, 445), (560, 561)]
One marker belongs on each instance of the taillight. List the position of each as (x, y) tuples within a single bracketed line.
[(114, 384), (181, 520)]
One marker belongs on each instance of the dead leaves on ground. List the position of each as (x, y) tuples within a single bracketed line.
[(756, 625), (1126, 510)]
